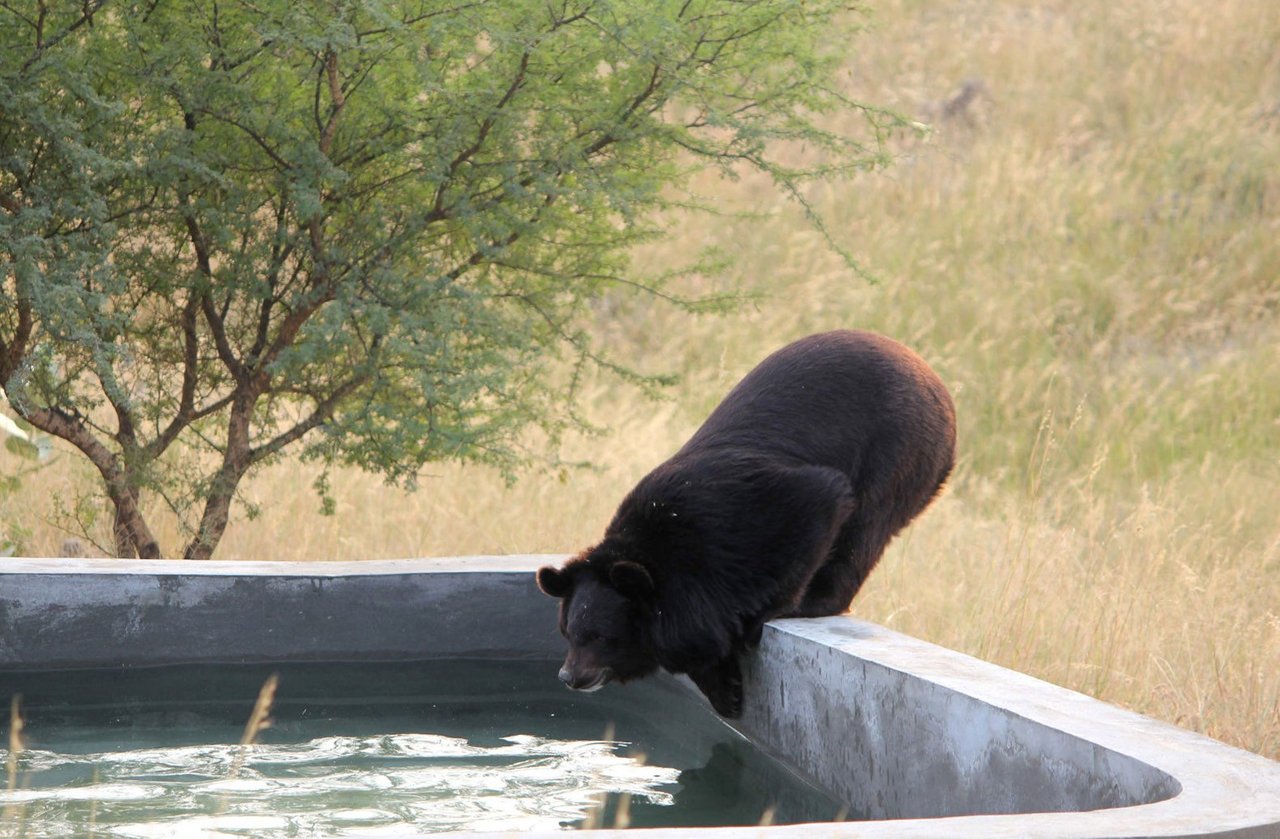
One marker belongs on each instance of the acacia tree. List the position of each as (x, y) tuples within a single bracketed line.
[(355, 229)]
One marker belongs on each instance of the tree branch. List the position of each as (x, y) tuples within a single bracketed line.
[(218, 330), (186, 400), (323, 413), (289, 328), (486, 125), (12, 353), (410, 21), (217, 324), (126, 432), (280, 254), (87, 11), (337, 101), (258, 139)]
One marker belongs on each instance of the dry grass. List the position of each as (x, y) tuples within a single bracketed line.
[(1089, 253), (14, 814)]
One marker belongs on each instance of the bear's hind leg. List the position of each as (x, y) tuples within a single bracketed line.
[(834, 584), (722, 685)]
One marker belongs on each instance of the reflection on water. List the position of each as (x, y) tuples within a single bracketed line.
[(330, 786), (376, 750)]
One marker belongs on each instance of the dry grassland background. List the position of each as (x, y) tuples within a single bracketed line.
[(1087, 250)]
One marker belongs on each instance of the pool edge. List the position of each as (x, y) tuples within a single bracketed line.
[(1224, 791)]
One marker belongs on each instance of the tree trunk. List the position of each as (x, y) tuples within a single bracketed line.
[(131, 534), (235, 462), (217, 512)]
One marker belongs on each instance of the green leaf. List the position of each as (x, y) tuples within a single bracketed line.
[(22, 448)]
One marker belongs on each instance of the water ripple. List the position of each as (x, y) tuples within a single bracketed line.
[(402, 784)]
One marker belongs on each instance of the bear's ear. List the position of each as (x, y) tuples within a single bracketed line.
[(631, 580), (554, 582)]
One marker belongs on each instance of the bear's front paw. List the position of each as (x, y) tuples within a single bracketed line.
[(722, 685), (728, 701)]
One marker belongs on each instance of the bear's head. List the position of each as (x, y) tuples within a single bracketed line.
[(605, 613)]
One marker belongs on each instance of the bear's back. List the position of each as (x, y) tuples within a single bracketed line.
[(836, 399)]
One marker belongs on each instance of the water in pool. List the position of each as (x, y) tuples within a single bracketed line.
[(376, 749)]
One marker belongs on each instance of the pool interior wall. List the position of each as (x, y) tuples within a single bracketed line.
[(922, 740)]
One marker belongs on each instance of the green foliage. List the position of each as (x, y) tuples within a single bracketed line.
[(22, 440), (359, 229)]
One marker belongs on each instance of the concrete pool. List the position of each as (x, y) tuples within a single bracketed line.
[(920, 740)]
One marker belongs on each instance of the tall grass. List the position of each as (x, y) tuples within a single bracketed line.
[(1089, 254), (13, 816)]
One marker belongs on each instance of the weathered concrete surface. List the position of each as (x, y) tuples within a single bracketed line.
[(946, 735), (82, 613), (869, 729), (927, 741)]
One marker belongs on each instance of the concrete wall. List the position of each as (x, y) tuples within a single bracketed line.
[(871, 732), (926, 740), (78, 613)]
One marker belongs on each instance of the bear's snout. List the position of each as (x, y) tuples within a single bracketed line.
[(586, 679)]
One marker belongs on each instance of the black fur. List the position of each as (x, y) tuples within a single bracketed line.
[(778, 506)]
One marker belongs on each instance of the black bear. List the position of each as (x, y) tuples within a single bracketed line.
[(778, 506)]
